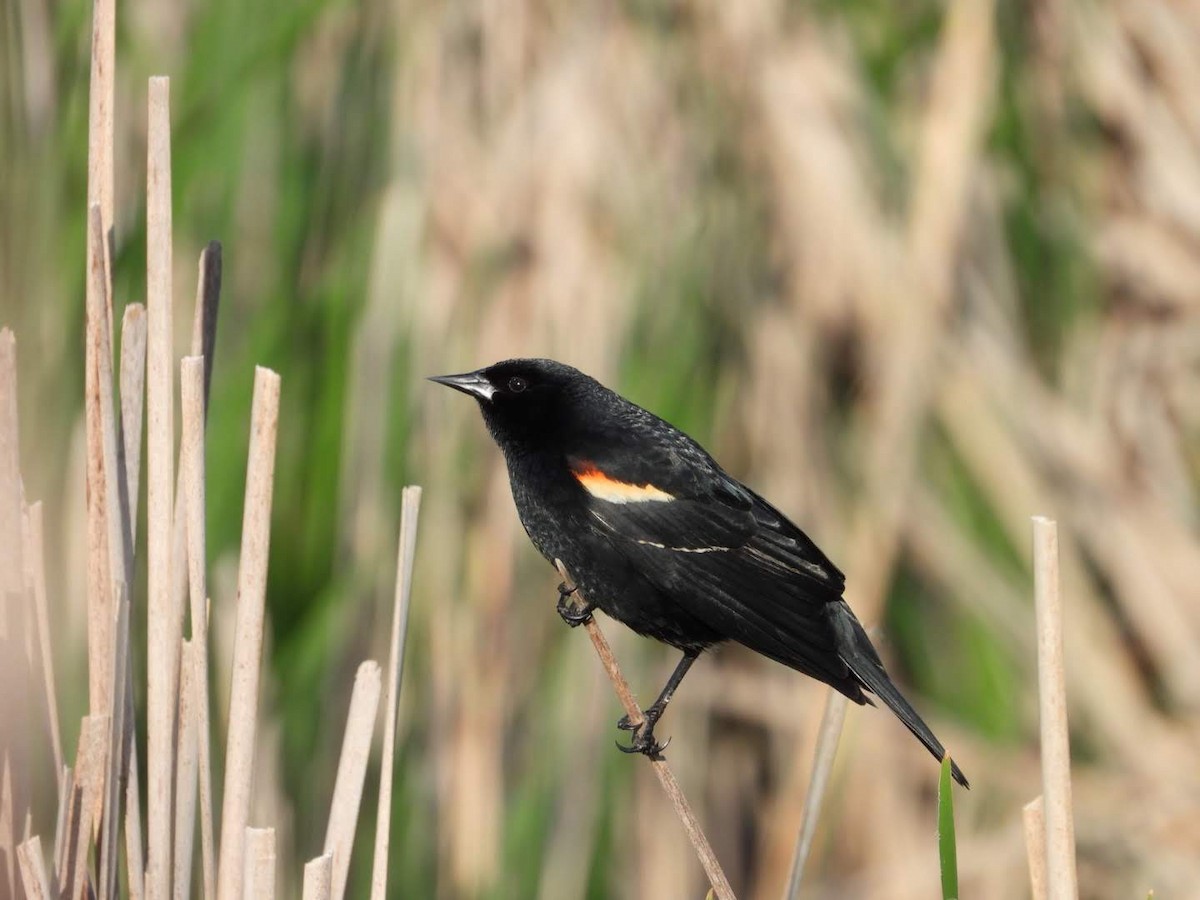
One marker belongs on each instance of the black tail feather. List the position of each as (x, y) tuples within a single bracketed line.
[(856, 651)]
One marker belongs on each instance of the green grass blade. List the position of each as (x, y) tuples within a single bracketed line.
[(947, 849)]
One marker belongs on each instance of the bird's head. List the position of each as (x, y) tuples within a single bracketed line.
[(525, 400)]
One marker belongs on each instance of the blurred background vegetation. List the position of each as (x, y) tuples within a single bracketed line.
[(915, 270)]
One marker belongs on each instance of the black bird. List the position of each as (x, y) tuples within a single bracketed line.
[(660, 538)]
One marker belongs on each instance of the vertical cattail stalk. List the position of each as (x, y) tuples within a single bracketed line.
[(185, 773), (1034, 823), (33, 869), (1052, 705), (827, 741), (133, 385), (318, 878), (118, 546), (248, 634), (259, 880), (62, 823), (410, 504), (101, 131), (351, 772), (84, 807), (14, 662), (36, 562), (162, 644), (192, 413)]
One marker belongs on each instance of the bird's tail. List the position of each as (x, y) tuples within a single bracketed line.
[(856, 651)]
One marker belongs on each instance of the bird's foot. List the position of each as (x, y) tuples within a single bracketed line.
[(574, 615), (643, 740), (650, 716)]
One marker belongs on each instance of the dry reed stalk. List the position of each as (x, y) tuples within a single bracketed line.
[(258, 882), (33, 869), (84, 806), (8, 828), (101, 131), (351, 772), (162, 661), (185, 771), (708, 859), (66, 790), (204, 332), (133, 383), (248, 634), (318, 878), (1034, 825), (99, 578), (101, 122), (827, 741), (410, 506), (192, 412), (14, 629), (111, 497), (112, 501), (119, 732), (134, 841), (36, 563), (1052, 703)]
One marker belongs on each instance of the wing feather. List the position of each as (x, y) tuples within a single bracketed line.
[(734, 562)]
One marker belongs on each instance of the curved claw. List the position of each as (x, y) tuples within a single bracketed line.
[(572, 615), (645, 745)]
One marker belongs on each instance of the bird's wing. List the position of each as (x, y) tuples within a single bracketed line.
[(720, 551)]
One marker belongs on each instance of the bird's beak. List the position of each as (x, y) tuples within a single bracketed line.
[(472, 383)]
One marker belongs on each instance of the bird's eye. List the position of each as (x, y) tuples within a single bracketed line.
[(516, 384)]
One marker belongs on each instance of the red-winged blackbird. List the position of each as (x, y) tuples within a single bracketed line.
[(658, 536)]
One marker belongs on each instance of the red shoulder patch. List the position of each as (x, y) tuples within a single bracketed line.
[(604, 487)]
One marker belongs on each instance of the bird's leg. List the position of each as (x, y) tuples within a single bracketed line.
[(573, 614), (643, 738)]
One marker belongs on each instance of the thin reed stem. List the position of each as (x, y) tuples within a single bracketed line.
[(1034, 825), (708, 859), (828, 735), (351, 773), (192, 412), (162, 634), (33, 870), (1052, 705), (410, 506), (259, 880), (248, 633), (318, 878)]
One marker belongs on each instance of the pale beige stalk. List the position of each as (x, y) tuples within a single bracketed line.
[(185, 773), (133, 386), (34, 876), (100, 190), (162, 656), (1061, 882), (193, 474), (351, 773), (1033, 823), (827, 741), (248, 634), (259, 880), (36, 562), (318, 878), (410, 506)]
